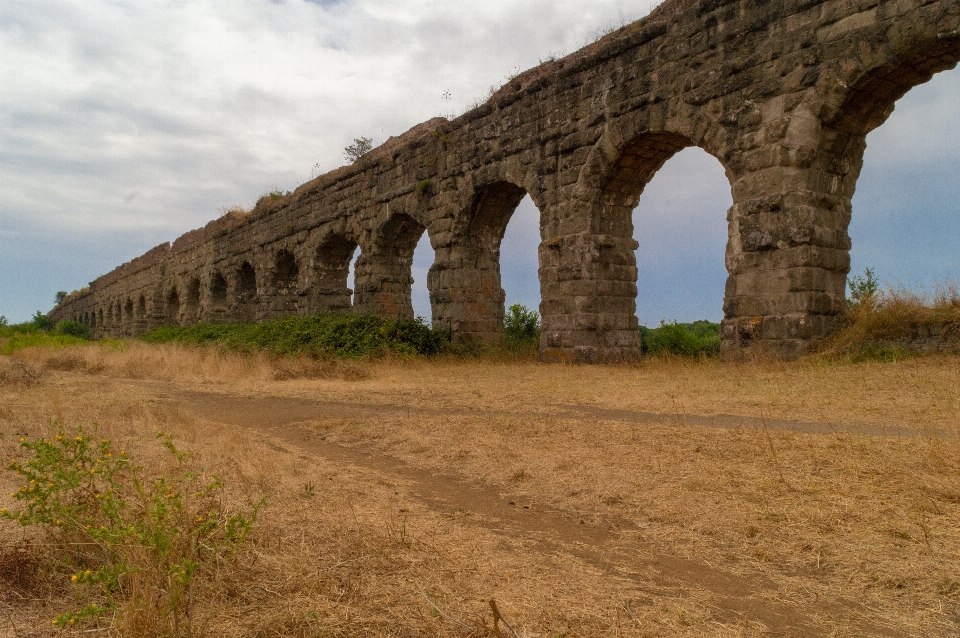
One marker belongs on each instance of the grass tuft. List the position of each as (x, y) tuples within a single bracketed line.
[(897, 323)]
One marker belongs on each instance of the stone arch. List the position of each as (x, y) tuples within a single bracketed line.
[(383, 276), (331, 270), (867, 103), (192, 301), (98, 320), (172, 303), (598, 297), (464, 282)]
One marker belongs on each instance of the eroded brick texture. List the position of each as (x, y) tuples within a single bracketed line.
[(781, 92)]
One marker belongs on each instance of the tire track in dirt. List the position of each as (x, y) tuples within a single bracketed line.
[(736, 599)]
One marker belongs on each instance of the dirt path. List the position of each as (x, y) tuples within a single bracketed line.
[(737, 599)]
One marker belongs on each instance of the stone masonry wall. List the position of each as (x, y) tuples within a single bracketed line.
[(781, 92)]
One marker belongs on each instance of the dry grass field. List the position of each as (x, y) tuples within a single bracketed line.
[(670, 498)]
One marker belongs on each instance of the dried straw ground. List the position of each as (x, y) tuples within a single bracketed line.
[(669, 498)]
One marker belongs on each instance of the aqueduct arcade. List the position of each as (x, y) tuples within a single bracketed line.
[(781, 92)]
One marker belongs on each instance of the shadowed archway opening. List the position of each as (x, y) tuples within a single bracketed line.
[(128, 316), (246, 288), (519, 261), (423, 259), (192, 305), (333, 281), (141, 318), (286, 273), (218, 291), (173, 307)]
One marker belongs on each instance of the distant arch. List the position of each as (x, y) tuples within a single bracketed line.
[(128, 320), (286, 272), (141, 318), (246, 288), (192, 305), (218, 290), (173, 306)]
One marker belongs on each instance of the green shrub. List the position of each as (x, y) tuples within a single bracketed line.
[(521, 324), (863, 289), (137, 546), (72, 328), (333, 334), (700, 338), (42, 322)]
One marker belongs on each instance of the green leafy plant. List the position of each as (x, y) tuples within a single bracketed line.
[(360, 147), (521, 325), (3, 321), (137, 545), (42, 322), (61, 295), (424, 187), (863, 289)]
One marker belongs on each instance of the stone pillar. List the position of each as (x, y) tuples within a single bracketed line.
[(382, 279), (788, 251), (589, 296), (331, 267), (382, 284), (465, 291), (465, 285)]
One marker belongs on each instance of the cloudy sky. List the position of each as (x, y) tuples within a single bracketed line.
[(124, 124)]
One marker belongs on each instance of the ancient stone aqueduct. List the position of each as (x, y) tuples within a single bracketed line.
[(781, 92)]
